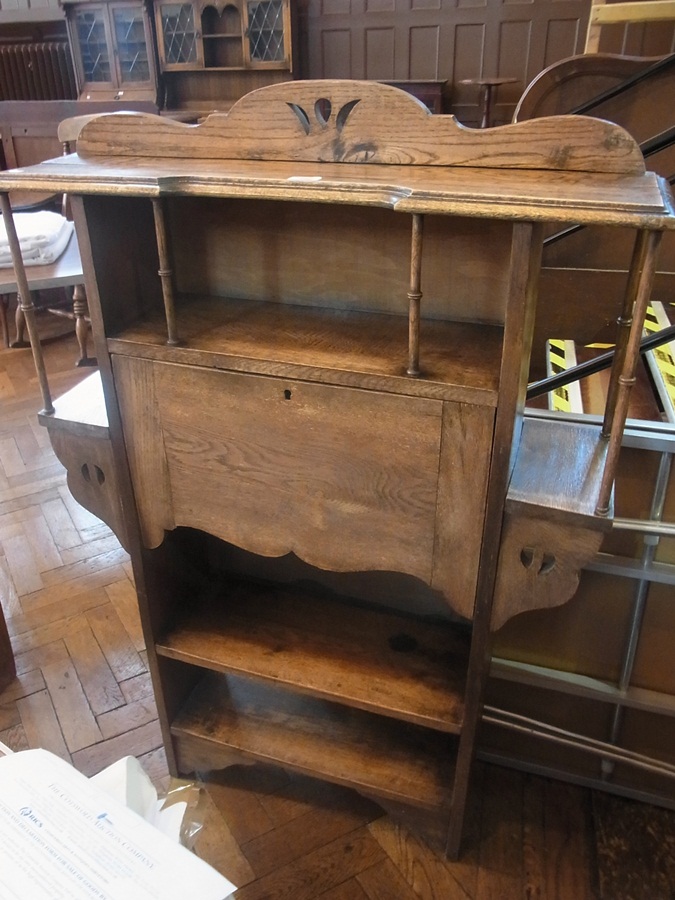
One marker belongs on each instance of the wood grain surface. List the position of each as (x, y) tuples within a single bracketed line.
[(560, 197), (404, 667), (459, 360), (367, 122), (302, 441), (272, 833), (346, 746)]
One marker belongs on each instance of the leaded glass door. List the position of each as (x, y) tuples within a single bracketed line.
[(267, 23), (94, 46), (131, 42), (179, 37), (113, 48)]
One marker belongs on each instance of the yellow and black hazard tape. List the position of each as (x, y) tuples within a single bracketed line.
[(561, 356), (661, 360)]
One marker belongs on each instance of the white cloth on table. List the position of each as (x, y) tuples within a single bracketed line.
[(43, 236)]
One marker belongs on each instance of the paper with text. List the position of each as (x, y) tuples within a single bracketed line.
[(63, 838)]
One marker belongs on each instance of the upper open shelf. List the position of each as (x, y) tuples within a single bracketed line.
[(459, 360)]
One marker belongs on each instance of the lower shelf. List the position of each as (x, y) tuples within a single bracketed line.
[(378, 756), (388, 664)]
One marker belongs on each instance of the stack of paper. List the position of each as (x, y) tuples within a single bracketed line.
[(63, 838)]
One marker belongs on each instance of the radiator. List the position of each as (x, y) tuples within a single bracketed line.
[(39, 71)]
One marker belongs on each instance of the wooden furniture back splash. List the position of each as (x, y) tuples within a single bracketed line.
[(313, 318)]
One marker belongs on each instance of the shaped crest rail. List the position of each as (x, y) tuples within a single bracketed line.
[(363, 122)]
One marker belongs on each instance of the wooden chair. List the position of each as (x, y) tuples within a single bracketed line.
[(32, 132), (66, 272)]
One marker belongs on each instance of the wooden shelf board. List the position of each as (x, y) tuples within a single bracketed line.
[(373, 754), (81, 410), (459, 361), (558, 472), (386, 663), (562, 197)]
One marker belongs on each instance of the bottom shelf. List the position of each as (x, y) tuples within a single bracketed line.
[(377, 756)]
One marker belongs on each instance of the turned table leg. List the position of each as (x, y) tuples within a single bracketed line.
[(4, 307), (81, 324), (20, 324), (487, 88)]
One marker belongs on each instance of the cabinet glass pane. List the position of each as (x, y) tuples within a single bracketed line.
[(178, 32), (266, 30), (131, 47), (93, 45)]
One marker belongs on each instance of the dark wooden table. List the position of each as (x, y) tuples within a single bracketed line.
[(429, 92), (487, 88), (65, 272)]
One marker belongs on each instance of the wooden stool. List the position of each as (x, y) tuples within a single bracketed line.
[(487, 88)]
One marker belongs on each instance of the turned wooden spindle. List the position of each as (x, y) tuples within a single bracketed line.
[(624, 322), (642, 281), (65, 199), (26, 302), (165, 272), (414, 296)]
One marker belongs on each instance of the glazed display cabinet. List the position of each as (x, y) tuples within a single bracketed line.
[(212, 53), (113, 48), (232, 36)]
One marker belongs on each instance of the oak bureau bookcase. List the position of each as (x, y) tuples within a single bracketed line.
[(313, 319)]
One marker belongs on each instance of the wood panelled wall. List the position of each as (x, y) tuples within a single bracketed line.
[(23, 11), (455, 40), (442, 39), (399, 40)]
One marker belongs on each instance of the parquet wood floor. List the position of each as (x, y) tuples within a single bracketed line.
[(83, 691)]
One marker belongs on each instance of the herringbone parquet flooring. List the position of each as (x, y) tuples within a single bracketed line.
[(83, 691)]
